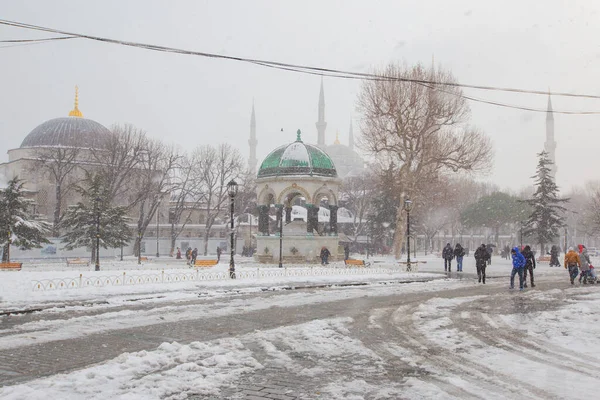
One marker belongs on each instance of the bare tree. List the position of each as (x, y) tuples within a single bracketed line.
[(59, 163), (421, 128), (118, 161), (356, 195), (216, 167), (152, 183), (186, 195)]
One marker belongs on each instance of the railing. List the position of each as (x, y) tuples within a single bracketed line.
[(195, 276)]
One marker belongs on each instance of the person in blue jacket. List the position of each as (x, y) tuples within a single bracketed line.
[(518, 267)]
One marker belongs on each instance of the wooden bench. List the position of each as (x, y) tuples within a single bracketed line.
[(143, 258), (358, 263), (205, 263), (77, 261), (11, 266), (544, 258)]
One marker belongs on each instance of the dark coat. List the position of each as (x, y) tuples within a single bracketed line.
[(529, 258), (325, 252), (459, 251), (448, 253), (481, 255)]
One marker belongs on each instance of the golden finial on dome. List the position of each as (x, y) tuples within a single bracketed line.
[(75, 111), (337, 138)]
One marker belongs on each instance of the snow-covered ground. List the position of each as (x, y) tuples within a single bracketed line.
[(443, 339), (46, 284), (39, 283)]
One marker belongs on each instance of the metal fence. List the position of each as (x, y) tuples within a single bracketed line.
[(197, 276)]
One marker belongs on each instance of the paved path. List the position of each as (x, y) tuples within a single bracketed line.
[(21, 364)]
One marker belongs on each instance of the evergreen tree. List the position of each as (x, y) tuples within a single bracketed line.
[(545, 220), (17, 223), (81, 220)]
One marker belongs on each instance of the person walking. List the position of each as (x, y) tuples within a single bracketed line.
[(490, 250), (188, 254), (518, 262), (324, 255), (194, 255), (448, 255), (346, 252), (218, 254), (585, 264), (554, 256), (459, 253), (481, 256), (178, 253), (529, 265), (572, 262)]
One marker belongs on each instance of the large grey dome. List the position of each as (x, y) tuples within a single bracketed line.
[(68, 132)]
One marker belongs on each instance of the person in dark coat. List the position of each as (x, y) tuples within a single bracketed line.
[(194, 255), (554, 262), (459, 253), (218, 254), (481, 257), (490, 250), (448, 255), (529, 264), (324, 255), (346, 252)]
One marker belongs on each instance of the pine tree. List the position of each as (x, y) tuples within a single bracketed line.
[(17, 223), (545, 220), (81, 220)]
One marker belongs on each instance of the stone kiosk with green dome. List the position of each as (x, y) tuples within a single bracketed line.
[(297, 170)]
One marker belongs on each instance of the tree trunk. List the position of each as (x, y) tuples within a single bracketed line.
[(206, 233), (5, 253), (173, 239), (400, 234)]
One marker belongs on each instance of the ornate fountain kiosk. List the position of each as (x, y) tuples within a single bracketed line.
[(297, 170)]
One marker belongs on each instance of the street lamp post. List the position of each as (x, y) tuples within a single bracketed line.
[(157, 253), (521, 235), (232, 189), (408, 204), (280, 236), (97, 234), (8, 248)]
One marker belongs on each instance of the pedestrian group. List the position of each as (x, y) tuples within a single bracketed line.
[(578, 264)]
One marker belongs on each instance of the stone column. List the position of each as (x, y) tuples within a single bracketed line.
[(279, 216), (333, 227), (263, 220), (288, 215), (312, 218)]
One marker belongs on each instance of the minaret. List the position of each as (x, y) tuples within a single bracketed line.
[(351, 137), (75, 111), (321, 124), (252, 142), (550, 145)]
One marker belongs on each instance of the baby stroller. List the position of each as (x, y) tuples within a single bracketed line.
[(591, 277)]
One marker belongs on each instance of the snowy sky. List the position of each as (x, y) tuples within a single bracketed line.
[(192, 101)]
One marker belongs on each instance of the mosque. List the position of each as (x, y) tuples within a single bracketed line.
[(346, 160)]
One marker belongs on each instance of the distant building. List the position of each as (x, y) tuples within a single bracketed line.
[(347, 161)]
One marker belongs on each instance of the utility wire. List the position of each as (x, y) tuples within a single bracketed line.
[(37, 40), (305, 69)]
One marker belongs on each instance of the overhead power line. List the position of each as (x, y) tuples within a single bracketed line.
[(37, 40), (306, 69)]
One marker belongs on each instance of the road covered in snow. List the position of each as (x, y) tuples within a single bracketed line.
[(383, 339)]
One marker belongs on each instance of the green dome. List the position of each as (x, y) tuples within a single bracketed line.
[(297, 158)]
